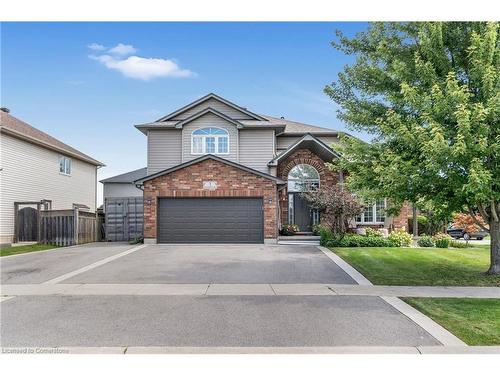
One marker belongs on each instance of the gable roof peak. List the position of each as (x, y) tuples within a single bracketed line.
[(208, 97), (203, 112)]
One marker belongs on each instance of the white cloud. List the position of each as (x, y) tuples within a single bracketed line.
[(122, 49), (96, 47), (143, 68)]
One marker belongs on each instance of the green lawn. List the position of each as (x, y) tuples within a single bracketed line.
[(421, 266), (24, 249), (475, 321)]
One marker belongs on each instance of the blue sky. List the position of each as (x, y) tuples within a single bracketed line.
[(91, 98)]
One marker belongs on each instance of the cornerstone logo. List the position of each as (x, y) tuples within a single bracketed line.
[(34, 351)]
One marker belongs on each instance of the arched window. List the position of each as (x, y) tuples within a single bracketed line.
[(303, 177), (210, 141)]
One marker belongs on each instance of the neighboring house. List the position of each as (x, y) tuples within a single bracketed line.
[(217, 172), (36, 167)]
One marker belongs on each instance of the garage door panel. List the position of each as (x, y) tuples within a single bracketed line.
[(210, 220)]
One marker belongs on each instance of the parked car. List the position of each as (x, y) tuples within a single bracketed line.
[(460, 232)]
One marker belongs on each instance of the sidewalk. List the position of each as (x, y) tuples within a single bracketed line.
[(249, 289), (257, 350)]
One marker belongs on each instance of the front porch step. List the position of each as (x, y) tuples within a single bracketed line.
[(299, 240)]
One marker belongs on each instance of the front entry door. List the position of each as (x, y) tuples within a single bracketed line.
[(302, 213)]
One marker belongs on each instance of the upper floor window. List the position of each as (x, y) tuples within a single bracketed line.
[(64, 165), (303, 177), (373, 213), (210, 141)]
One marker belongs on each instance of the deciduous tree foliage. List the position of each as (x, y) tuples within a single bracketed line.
[(337, 204), (468, 222), (429, 94)]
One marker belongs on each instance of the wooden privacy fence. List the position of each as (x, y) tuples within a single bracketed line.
[(68, 227)]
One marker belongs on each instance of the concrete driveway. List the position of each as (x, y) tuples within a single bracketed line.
[(224, 264), (33, 268), (235, 320)]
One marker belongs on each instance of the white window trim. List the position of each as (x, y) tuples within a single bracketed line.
[(203, 143), (310, 181), (65, 158), (374, 211)]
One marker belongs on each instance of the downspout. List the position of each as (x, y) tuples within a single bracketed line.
[(95, 189)]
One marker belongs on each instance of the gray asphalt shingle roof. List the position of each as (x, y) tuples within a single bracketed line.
[(128, 177), (294, 127), (28, 132)]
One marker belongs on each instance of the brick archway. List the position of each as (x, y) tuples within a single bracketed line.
[(320, 167), (302, 156)]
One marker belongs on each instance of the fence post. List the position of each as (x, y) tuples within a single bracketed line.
[(75, 225), (38, 223), (16, 222)]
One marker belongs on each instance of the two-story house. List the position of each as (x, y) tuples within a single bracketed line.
[(219, 173), (36, 167)]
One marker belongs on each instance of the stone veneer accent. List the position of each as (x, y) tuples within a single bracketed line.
[(302, 156), (231, 182)]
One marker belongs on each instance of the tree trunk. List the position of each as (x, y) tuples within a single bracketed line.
[(415, 222), (495, 248)]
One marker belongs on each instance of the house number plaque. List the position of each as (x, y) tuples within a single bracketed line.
[(209, 185)]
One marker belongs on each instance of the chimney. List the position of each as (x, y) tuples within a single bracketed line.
[(5, 109)]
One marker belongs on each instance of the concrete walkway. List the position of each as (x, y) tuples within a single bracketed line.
[(47, 289)]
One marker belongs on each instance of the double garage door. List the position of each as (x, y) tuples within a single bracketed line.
[(210, 220)]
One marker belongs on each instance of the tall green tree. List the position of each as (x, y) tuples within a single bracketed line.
[(429, 94)]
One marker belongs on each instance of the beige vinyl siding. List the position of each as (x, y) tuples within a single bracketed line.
[(120, 190), (328, 140), (209, 120), (31, 173), (164, 149), (217, 105), (256, 148), (283, 143)]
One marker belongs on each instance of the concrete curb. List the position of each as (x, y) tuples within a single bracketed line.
[(255, 350), (435, 330), (346, 267), (441, 334)]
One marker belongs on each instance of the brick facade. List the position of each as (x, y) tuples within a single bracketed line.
[(401, 220), (231, 182), (305, 156), (302, 156)]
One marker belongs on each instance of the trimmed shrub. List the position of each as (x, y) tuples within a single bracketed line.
[(370, 232), (425, 241), (442, 240), (459, 244), (316, 229), (400, 238), (326, 235), (357, 240)]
